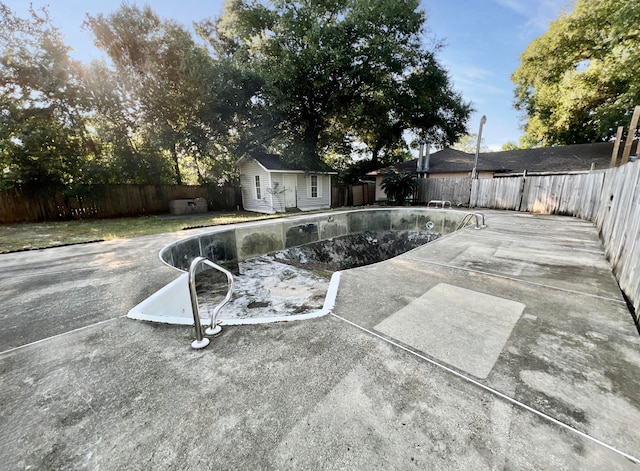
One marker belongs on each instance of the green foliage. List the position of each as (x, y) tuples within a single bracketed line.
[(510, 145), (469, 142), (318, 82), (43, 140), (399, 186), (337, 73), (579, 81), (163, 76)]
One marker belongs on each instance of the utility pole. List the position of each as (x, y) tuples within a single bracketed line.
[(474, 174)]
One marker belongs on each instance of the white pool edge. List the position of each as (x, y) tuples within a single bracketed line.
[(175, 297)]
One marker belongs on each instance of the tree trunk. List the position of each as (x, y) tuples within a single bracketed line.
[(198, 172), (174, 156), (375, 154)]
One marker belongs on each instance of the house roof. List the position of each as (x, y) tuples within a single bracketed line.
[(544, 159), (273, 163)]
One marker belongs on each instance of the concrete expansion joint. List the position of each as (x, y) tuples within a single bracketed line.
[(491, 390), (511, 278), (63, 334)]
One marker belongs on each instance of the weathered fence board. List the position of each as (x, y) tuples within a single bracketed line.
[(353, 195), (585, 198), (541, 194), (570, 194), (456, 190), (618, 219), (499, 193), (623, 212), (106, 201)]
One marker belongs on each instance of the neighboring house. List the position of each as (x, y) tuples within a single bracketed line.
[(270, 185), (452, 163)]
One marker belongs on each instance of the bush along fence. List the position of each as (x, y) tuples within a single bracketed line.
[(108, 201)]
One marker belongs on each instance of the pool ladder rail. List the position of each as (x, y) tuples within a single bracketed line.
[(467, 219), (214, 326), (443, 203)]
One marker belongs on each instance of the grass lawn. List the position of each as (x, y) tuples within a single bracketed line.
[(14, 237)]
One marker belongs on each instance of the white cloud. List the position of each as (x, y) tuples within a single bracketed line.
[(475, 81), (521, 7), (537, 13), (462, 71)]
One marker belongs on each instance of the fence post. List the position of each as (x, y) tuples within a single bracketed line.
[(522, 186), (616, 146), (630, 135), (473, 194)]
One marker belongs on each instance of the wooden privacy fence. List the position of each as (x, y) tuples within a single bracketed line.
[(106, 201), (571, 194), (618, 220), (575, 194), (499, 193), (353, 195), (456, 190)]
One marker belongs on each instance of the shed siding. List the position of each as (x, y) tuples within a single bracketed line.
[(248, 172), (305, 202), (276, 190)]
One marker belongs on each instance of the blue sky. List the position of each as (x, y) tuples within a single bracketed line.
[(483, 41)]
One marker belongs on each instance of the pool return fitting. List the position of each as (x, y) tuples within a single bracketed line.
[(214, 325)]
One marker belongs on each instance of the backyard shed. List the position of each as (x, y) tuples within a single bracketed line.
[(270, 185)]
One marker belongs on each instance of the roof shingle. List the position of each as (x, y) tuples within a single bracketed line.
[(543, 159)]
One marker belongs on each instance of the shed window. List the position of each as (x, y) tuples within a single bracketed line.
[(258, 190), (314, 186)]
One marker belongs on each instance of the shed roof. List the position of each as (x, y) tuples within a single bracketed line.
[(274, 163)]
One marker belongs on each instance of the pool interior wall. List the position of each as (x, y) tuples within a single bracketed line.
[(234, 244), (229, 246)]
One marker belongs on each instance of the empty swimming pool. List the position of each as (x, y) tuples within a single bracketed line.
[(288, 269)]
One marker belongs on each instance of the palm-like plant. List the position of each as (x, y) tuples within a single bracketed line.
[(399, 186)]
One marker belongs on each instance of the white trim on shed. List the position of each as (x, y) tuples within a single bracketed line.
[(279, 188)]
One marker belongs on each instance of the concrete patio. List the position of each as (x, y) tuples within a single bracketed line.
[(509, 347)]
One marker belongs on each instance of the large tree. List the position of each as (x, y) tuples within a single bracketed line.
[(579, 81), (165, 76), (44, 145), (176, 97), (339, 72)]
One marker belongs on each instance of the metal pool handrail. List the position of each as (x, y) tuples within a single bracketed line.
[(443, 203), (214, 327), (476, 216)]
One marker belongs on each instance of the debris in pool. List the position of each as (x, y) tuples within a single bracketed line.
[(355, 250), (264, 288), (296, 280), (257, 304)]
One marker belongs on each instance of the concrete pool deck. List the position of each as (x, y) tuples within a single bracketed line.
[(509, 347)]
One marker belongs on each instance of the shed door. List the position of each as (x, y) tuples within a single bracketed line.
[(290, 191)]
